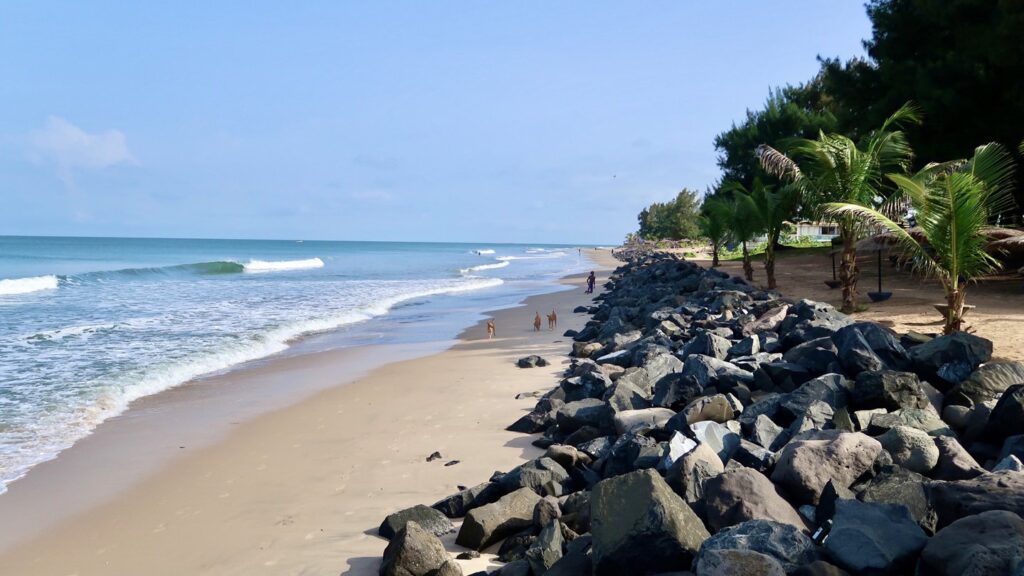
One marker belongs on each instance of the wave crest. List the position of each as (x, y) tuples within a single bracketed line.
[(493, 266), (27, 285)]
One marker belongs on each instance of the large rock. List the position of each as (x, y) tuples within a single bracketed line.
[(989, 381), (456, 505), (544, 476), (767, 322), (639, 420), (855, 354), (1007, 418), (765, 432), (829, 389), (986, 544), (818, 356), (716, 408), (587, 412), (992, 491), (707, 344), (689, 475), (734, 562), (805, 465), (869, 538), (948, 360), (954, 463), (895, 485), (911, 448), (428, 518), (784, 542), (547, 549), (639, 526), (413, 551), (924, 420), (745, 494), (487, 524), (718, 436), (888, 389)]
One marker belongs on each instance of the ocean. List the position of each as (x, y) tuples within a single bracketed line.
[(89, 324)]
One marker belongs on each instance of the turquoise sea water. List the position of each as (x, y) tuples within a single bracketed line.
[(89, 324)]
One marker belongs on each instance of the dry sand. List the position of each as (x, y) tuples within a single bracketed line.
[(999, 315), (300, 490)]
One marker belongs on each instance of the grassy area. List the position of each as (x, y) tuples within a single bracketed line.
[(757, 250)]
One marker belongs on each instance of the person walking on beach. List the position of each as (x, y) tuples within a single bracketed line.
[(591, 280), (490, 329)]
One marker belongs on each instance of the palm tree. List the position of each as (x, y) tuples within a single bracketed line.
[(773, 208), (954, 203), (714, 224), (833, 168), (745, 224)]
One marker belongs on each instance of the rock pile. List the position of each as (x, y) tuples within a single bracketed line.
[(708, 426)]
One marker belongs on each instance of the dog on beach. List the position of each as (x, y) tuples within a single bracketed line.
[(536, 322), (552, 320), (490, 329)]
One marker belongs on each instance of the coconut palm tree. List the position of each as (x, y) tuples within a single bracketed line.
[(714, 224), (744, 225), (833, 168), (954, 204), (773, 208)]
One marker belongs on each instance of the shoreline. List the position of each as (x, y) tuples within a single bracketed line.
[(123, 526)]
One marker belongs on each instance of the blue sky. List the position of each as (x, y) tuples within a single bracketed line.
[(439, 121)]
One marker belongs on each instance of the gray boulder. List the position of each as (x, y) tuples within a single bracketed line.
[(989, 381), (487, 524), (855, 354), (925, 420), (743, 494), (428, 518), (531, 361), (717, 436), (765, 432), (911, 448), (716, 408), (413, 551), (819, 568), (707, 344), (896, 485), (547, 549), (544, 476), (688, 476), (639, 526), (733, 562), (870, 538), (805, 465), (768, 321), (985, 544), (784, 542), (587, 412), (639, 420)]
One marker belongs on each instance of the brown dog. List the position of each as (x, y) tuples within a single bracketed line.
[(536, 323), (552, 320), (490, 329)]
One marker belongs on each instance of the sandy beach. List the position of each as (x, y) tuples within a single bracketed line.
[(300, 490)]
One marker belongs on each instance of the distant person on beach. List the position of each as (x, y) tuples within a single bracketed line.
[(591, 280), (536, 322), (490, 329)]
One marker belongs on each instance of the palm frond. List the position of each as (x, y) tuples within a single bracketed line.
[(778, 164), (917, 252)]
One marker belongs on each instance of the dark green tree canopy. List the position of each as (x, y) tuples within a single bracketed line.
[(675, 219)]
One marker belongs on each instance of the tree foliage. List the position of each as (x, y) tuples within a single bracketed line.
[(675, 219)]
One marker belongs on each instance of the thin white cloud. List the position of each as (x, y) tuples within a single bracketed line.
[(70, 148)]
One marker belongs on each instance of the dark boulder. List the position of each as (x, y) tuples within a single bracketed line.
[(730, 562), (1007, 418), (887, 389), (784, 542), (870, 538), (544, 476), (855, 354), (900, 486), (985, 544), (531, 362), (546, 549), (588, 412), (818, 356), (962, 498), (428, 518), (707, 344), (639, 526), (948, 360), (988, 382), (954, 463)]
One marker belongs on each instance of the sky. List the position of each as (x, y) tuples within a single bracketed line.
[(526, 122)]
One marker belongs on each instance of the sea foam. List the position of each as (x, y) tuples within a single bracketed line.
[(283, 265), (27, 285), (480, 267)]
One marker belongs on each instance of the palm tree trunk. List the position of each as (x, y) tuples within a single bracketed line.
[(848, 270), (955, 298), (769, 260), (714, 255), (748, 268)]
